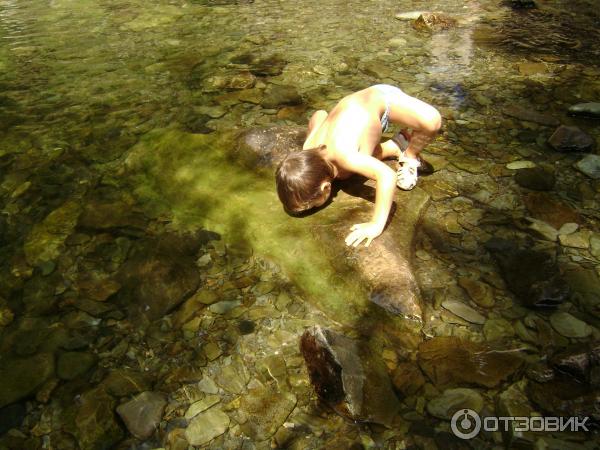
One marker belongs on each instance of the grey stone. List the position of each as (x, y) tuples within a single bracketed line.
[(590, 109), (452, 400), (464, 311), (589, 165), (569, 326), (348, 376), (143, 414), (206, 426), (571, 139)]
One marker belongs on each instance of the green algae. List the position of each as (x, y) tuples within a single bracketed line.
[(190, 177)]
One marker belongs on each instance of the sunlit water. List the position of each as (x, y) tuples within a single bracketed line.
[(88, 86)]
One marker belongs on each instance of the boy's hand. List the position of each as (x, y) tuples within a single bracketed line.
[(360, 231)]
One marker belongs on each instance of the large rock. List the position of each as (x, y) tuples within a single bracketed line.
[(450, 361), (267, 147), (348, 377), (531, 275), (571, 139), (386, 264)]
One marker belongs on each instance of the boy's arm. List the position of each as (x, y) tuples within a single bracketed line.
[(386, 185)]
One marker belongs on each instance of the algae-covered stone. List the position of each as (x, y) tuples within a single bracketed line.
[(494, 329), (20, 378), (451, 400), (206, 426), (266, 411), (569, 326), (143, 413), (46, 239)]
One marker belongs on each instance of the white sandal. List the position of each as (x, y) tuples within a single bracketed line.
[(407, 172)]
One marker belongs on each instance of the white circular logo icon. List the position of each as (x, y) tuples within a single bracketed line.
[(465, 424)]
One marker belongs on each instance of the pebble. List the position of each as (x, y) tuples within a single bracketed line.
[(590, 165), (464, 311), (201, 405), (579, 239), (516, 165), (568, 228), (452, 400)]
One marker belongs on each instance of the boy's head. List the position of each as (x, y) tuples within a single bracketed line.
[(304, 180)]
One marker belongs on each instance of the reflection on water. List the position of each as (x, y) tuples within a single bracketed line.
[(153, 294)]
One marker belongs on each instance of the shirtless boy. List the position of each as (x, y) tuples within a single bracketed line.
[(347, 141)]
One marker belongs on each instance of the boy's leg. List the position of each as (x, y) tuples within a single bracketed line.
[(423, 118)]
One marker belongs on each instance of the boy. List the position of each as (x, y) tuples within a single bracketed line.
[(347, 141)]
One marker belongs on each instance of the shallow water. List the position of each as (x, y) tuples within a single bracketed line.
[(120, 200)]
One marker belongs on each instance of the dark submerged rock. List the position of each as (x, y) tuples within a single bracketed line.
[(20, 378), (571, 139), (450, 361), (535, 178), (348, 377), (531, 275), (160, 275)]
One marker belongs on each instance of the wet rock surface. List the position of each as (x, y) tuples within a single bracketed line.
[(571, 139)]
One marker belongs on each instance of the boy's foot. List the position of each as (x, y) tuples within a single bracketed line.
[(407, 172)]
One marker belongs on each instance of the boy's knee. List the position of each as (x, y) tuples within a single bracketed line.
[(433, 121)]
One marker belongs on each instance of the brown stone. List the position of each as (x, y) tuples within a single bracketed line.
[(548, 208), (451, 361)]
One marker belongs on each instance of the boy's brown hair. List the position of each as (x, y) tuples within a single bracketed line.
[(299, 177)]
